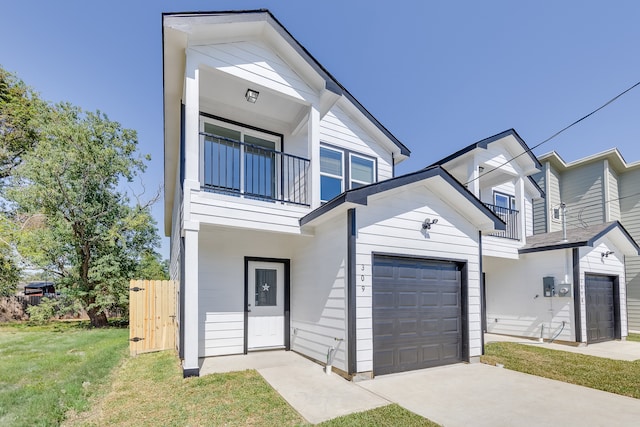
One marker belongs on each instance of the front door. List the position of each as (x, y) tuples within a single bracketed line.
[(265, 290)]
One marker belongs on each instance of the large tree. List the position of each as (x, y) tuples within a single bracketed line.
[(82, 226), (21, 113)]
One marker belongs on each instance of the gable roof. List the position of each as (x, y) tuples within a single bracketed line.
[(359, 196), (577, 237), (484, 143), (177, 27), (612, 155)]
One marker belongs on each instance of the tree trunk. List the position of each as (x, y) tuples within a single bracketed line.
[(98, 318)]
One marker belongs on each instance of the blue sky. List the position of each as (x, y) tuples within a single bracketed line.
[(438, 75)]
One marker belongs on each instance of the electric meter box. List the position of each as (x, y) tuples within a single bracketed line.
[(549, 286)]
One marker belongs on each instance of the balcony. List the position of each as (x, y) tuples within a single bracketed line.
[(245, 170), (510, 217)]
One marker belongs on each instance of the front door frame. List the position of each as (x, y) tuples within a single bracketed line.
[(287, 300)]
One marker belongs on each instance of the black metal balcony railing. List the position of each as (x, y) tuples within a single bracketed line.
[(237, 168), (510, 217)]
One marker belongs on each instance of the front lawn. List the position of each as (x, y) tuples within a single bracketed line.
[(149, 390), (633, 337), (614, 376), (49, 370)]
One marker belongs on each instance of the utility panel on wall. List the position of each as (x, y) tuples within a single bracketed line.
[(549, 287)]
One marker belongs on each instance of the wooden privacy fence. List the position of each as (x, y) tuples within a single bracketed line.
[(152, 315)]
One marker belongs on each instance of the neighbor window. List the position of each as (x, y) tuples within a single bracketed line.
[(504, 201)]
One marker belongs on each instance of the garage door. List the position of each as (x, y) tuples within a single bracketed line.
[(600, 306), (417, 314)]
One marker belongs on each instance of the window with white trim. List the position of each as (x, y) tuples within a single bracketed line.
[(361, 171), (331, 173), (504, 201)]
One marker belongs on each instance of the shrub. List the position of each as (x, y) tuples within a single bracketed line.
[(43, 312)]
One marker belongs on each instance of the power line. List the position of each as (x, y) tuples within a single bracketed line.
[(557, 133)]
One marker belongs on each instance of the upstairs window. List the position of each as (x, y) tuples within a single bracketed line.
[(331, 173), (504, 201), (342, 170), (361, 171)]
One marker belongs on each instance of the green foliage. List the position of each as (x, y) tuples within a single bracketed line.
[(43, 312), (152, 267), (81, 227), (9, 272), (50, 371), (20, 121)]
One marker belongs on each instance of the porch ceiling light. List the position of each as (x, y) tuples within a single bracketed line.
[(251, 95)]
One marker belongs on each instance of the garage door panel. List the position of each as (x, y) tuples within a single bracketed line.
[(600, 308), (422, 327)]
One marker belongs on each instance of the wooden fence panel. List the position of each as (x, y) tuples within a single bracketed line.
[(152, 315)]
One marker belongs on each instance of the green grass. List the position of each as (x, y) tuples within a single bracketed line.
[(46, 371), (614, 376), (63, 373), (149, 391), (390, 415), (633, 337)]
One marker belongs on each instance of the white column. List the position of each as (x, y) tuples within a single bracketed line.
[(520, 204), (473, 178), (192, 123), (606, 191), (190, 364), (314, 155)]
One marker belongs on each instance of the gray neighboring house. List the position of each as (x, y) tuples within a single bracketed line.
[(596, 189)]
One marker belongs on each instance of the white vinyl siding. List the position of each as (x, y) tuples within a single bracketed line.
[(515, 303), (318, 293), (221, 284), (254, 62), (339, 130), (392, 224)]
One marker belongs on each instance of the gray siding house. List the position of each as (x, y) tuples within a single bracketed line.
[(595, 190)]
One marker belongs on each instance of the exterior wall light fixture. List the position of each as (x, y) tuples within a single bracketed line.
[(426, 225), (251, 95), (606, 254)]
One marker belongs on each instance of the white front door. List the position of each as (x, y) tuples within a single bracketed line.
[(265, 290)]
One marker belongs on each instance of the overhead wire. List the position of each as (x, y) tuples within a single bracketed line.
[(529, 150)]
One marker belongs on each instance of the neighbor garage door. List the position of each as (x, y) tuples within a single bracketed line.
[(600, 306), (417, 314)]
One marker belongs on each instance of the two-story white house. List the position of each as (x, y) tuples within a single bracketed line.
[(289, 228), (566, 286)]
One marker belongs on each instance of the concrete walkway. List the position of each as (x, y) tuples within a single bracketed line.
[(315, 395), (619, 350)]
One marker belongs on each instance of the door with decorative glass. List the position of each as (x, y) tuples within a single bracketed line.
[(265, 290)]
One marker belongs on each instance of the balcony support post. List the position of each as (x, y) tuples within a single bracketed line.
[(192, 123)]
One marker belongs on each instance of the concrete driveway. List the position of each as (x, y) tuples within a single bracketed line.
[(456, 395), (481, 395)]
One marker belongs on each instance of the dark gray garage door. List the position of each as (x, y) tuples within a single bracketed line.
[(600, 305), (417, 314)]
